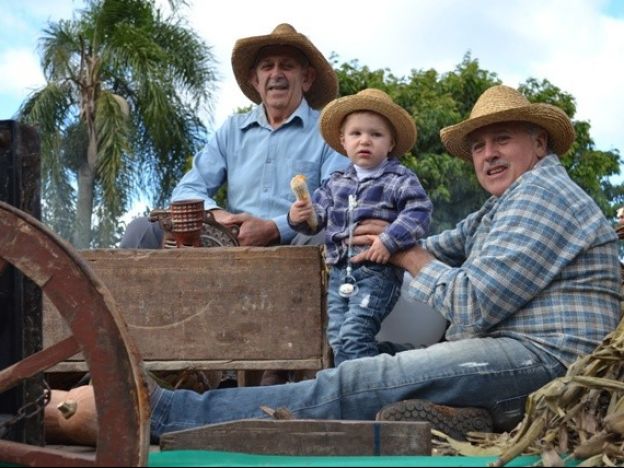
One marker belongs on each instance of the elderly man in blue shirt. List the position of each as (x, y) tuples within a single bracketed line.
[(528, 283), (258, 152)]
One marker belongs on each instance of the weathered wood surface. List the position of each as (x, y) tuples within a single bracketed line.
[(20, 298), (306, 437), (214, 308)]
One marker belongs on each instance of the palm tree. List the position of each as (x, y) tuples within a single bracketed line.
[(119, 112)]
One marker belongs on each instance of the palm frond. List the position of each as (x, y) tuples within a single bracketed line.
[(142, 79), (112, 127), (191, 62), (60, 49), (47, 108), (107, 15)]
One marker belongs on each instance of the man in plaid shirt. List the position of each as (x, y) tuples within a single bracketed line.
[(528, 283)]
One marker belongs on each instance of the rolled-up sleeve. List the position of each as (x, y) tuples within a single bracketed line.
[(531, 237), (207, 175)]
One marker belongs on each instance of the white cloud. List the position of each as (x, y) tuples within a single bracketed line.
[(569, 42), (19, 71), (588, 63)]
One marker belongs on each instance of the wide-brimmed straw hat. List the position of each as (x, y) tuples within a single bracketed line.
[(325, 85), (373, 100), (504, 104)]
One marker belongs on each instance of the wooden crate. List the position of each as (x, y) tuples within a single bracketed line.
[(213, 308)]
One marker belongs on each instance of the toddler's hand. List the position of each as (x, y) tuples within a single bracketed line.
[(300, 211), (377, 252)]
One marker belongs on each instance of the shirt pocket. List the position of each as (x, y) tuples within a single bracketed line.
[(309, 169)]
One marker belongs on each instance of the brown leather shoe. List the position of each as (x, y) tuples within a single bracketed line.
[(454, 422)]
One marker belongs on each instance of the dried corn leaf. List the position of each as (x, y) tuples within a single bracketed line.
[(551, 458), (591, 447), (593, 461), (466, 448), (598, 382), (614, 423)]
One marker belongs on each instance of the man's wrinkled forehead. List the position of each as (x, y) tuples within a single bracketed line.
[(281, 51), (498, 127)]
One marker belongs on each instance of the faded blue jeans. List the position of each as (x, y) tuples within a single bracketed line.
[(353, 322), (493, 373)]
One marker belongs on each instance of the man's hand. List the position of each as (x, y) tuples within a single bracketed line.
[(413, 260), (368, 230), (366, 233), (258, 232), (252, 231), (377, 252), (226, 218)]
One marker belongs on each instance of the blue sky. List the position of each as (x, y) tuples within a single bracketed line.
[(576, 44), (614, 8)]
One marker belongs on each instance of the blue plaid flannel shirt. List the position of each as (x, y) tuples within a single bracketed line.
[(538, 264), (394, 195)]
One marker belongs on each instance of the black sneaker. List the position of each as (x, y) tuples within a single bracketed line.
[(454, 422), (229, 379)]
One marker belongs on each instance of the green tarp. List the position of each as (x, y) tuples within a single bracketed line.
[(213, 458)]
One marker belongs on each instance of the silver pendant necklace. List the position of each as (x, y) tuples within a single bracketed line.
[(349, 287)]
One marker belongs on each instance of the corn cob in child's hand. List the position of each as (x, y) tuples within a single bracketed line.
[(300, 189)]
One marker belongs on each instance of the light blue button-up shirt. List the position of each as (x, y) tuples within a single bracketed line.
[(257, 162)]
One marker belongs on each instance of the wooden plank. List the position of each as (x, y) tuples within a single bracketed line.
[(306, 437), (158, 365), (246, 306)]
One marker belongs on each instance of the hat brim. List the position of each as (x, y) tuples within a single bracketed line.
[(335, 112), (325, 85), (561, 133)]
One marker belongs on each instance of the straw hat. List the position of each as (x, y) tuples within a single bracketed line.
[(323, 89), (373, 100), (504, 104)]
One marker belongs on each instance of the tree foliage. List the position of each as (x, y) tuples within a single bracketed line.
[(438, 100), (118, 115)]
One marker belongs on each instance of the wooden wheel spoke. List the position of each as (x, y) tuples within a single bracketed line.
[(29, 455), (38, 362), (97, 331)]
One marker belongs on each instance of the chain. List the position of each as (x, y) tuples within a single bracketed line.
[(30, 409)]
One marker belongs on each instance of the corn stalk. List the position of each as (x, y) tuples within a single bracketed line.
[(580, 414)]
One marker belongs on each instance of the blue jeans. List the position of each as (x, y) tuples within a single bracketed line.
[(493, 373), (354, 322), (141, 233)]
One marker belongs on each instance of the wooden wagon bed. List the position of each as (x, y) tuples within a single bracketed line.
[(213, 308)]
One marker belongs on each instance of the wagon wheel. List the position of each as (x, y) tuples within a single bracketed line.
[(97, 330)]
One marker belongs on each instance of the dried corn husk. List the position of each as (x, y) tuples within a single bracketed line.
[(299, 187), (580, 414)]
